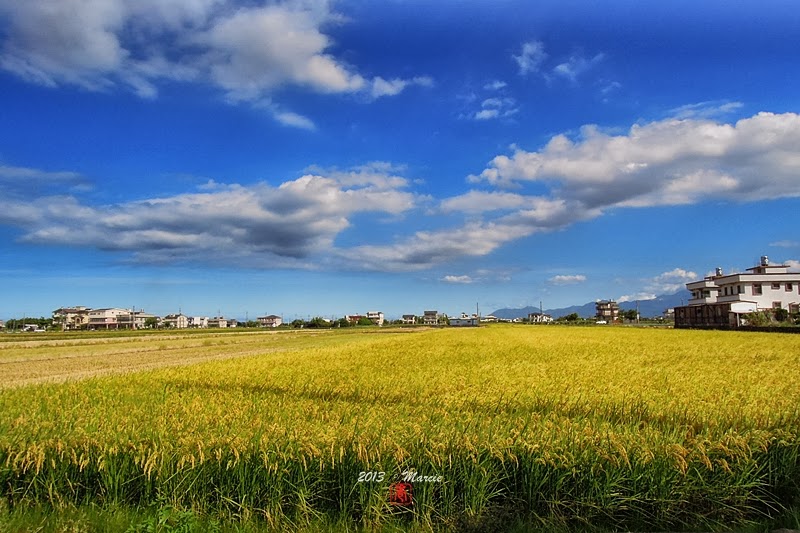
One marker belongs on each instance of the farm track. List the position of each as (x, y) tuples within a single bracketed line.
[(116, 369), (123, 355)]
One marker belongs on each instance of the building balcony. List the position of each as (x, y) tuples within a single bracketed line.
[(734, 298), (702, 301)]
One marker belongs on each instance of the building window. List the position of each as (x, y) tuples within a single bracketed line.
[(741, 289), (776, 286), (789, 287), (776, 305), (756, 288)]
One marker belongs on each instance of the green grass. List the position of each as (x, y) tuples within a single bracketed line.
[(557, 428)]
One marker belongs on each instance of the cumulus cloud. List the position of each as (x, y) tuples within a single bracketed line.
[(669, 162), (531, 57), (248, 52), (793, 264), (474, 202), (639, 296), (567, 279), (672, 281), (378, 175), (256, 225), (428, 248), (668, 282)]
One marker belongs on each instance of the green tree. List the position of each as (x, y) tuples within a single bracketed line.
[(572, 317), (151, 322), (781, 315), (630, 314)]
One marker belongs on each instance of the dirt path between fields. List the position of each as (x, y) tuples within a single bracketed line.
[(109, 367)]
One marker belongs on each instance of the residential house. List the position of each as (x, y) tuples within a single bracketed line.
[(218, 322), (2, 325), (69, 318), (198, 321), (489, 318), (110, 318), (177, 321), (539, 318), (607, 310), (140, 318), (353, 319), (465, 320), (430, 318), (270, 321), (409, 319), (721, 300), (376, 317)]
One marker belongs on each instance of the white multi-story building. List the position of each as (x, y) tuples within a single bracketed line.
[(198, 321), (465, 320), (218, 322), (270, 321), (110, 318), (720, 299), (71, 317), (430, 318), (539, 318), (178, 321), (376, 317)]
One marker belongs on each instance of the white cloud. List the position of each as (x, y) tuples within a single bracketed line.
[(786, 244), (665, 283), (636, 297), (257, 49), (567, 279), (496, 108), (377, 175), (793, 264), (381, 87), (288, 118), (669, 162), (15, 175), (481, 201), (248, 52), (255, 225), (428, 248), (486, 114), (672, 281), (531, 57), (577, 64), (464, 279), (609, 87), (709, 109), (495, 85)]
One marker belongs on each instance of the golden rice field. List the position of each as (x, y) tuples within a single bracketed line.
[(613, 427)]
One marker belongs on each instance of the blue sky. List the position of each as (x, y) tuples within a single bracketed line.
[(326, 158)]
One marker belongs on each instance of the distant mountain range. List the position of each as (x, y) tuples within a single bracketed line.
[(647, 308)]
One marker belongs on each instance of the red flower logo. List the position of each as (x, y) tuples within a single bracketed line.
[(400, 494)]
